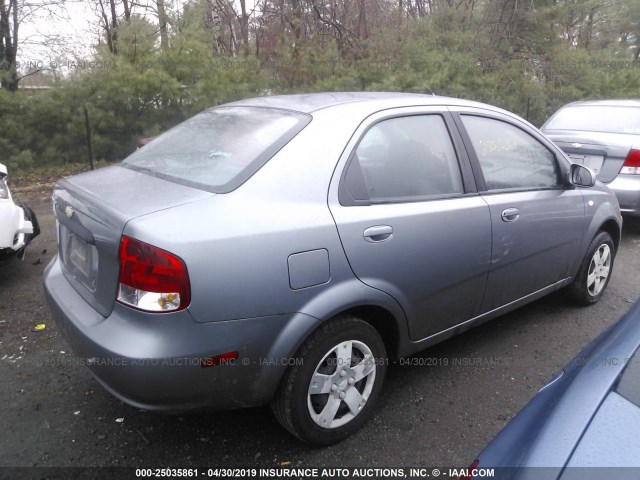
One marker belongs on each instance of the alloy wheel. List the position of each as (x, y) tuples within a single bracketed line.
[(341, 384), (599, 269)]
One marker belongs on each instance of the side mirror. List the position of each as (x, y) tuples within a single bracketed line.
[(3, 171), (581, 176)]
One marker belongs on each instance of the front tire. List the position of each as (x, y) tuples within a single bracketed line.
[(595, 271), (332, 392)]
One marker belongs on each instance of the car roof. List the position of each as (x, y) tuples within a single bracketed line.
[(310, 102), (607, 103)]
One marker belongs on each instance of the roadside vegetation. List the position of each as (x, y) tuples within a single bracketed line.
[(156, 66)]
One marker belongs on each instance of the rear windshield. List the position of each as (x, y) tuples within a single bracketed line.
[(591, 118), (219, 149)]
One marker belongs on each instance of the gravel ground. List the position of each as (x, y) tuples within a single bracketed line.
[(439, 408)]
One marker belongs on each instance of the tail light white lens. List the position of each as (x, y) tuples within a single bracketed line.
[(632, 163), (152, 279)]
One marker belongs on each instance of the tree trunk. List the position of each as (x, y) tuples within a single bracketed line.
[(244, 26), (9, 44), (114, 26), (162, 24), (107, 27), (363, 31), (127, 10)]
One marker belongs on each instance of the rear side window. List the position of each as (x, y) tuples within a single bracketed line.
[(596, 118), (510, 157), (219, 149), (404, 159)]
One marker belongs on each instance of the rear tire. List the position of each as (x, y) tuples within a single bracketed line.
[(332, 392), (595, 271)]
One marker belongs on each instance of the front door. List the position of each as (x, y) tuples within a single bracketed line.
[(537, 222)]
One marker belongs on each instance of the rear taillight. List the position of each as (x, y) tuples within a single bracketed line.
[(632, 163), (471, 471), (151, 279)]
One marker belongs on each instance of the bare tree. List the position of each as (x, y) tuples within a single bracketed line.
[(109, 20), (244, 26), (9, 43), (232, 27), (163, 20), (13, 14), (112, 14)]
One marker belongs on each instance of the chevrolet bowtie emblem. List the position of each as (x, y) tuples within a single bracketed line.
[(576, 145), (68, 211)]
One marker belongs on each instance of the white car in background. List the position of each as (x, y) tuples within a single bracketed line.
[(18, 223)]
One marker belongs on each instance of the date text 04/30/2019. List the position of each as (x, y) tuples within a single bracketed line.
[(283, 472)]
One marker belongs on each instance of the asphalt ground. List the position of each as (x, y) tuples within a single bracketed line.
[(439, 408)]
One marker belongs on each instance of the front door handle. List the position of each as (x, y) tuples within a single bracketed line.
[(510, 214), (378, 233)]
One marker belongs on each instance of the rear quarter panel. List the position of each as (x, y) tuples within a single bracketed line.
[(601, 207), (236, 246)]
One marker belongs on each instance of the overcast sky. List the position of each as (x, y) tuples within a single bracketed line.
[(71, 34), (66, 36)]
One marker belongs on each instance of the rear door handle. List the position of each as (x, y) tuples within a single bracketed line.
[(378, 233), (510, 214)]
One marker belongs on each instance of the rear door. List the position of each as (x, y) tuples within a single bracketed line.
[(537, 222), (410, 220)]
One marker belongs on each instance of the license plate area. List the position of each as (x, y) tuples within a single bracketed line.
[(79, 257)]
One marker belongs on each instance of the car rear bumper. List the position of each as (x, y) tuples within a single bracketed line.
[(154, 361), (627, 190)]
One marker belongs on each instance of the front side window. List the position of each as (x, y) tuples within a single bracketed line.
[(510, 157), (218, 149), (404, 159)]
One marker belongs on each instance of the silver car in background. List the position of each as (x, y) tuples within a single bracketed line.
[(283, 249), (603, 135)]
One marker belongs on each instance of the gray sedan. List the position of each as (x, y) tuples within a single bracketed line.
[(604, 135), (283, 249)]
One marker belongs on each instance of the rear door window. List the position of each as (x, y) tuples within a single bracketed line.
[(404, 159), (219, 149)]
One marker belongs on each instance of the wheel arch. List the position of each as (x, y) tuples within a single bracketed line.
[(373, 306), (611, 227), (606, 218), (352, 297), (383, 321)]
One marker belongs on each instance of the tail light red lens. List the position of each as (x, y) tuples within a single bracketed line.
[(223, 359), (632, 163), (152, 279), (470, 471)]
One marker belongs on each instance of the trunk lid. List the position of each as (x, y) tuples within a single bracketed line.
[(92, 210), (604, 153)]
